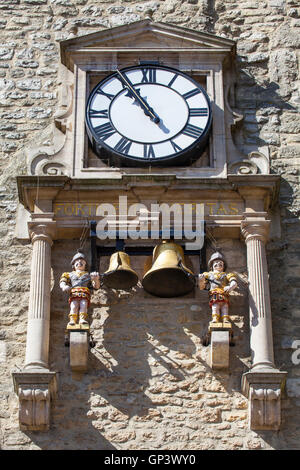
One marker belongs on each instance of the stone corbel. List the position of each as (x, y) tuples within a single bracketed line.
[(79, 347), (219, 347), (264, 391), (35, 392)]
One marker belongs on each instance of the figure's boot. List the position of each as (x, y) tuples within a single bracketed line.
[(73, 319), (226, 320), (215, 318), (83, 316)]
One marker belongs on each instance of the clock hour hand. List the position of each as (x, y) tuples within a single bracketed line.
[(136, 95)]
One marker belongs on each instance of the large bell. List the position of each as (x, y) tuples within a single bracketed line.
[(168, 276), (120, 274)]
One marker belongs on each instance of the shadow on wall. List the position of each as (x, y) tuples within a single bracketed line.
[(142, 347), (148, 356), (261, 107), (82, 436), (139, 348)]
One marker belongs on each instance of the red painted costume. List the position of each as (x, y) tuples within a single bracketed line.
[(220, 284), (78, 283)]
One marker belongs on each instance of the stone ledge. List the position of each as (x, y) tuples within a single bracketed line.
[(263, 376), (78, 327), (220, 326)]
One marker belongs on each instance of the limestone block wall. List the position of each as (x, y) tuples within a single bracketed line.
[(149, 385)]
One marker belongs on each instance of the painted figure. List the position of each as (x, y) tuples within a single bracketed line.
[(220, 284), (78, 284)]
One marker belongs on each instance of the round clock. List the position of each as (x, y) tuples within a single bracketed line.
[(148, 115)]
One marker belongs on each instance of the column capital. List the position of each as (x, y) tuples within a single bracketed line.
[(255, 226), (42, 227)]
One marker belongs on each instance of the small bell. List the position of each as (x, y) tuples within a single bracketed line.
[(120, 274)]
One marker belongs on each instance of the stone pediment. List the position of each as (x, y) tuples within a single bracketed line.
[(143, 35)]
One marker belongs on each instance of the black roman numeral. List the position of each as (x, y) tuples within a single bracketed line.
[(175, 146), (95, 113), (192, 131), (198, 112), (149, 75), (104, 130), (149, 151), (121, 81), (108, 95), (123, 145), (173, 80), (191, 93)]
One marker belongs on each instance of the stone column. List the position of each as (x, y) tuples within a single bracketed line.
[(263, 383), (255, 230), (36, 385), (37, 347)]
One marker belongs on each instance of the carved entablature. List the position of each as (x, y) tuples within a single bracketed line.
[(64, 148)]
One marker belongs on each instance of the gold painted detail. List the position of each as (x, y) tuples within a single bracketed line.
[(89, 209), (168, 276), (78, 326), (221, 326), (217, 290), (80, 273)]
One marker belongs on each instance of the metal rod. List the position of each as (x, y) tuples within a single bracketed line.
[(138, 250), (93, 246), (161, 233)]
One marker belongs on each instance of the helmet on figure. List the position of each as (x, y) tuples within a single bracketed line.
[(216, 256), (79, 255)]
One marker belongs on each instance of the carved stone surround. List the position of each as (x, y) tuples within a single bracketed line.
[(63, 148), (62, 167), (253, 194)]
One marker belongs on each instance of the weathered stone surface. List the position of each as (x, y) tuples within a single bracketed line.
[(78, 351), (219, 350), (293, 387)]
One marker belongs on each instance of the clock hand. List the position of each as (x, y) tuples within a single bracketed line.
[(134, 93)]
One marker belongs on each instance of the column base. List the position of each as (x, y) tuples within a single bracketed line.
[(35, 389), (263, 389)]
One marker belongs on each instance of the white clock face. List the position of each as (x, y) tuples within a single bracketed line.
[(148, 113)]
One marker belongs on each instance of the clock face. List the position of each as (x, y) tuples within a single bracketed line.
[(148, 115)]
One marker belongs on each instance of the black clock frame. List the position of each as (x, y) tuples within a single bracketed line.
[(116, 158)]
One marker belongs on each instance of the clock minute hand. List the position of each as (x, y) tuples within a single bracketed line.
[(147, 109)]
